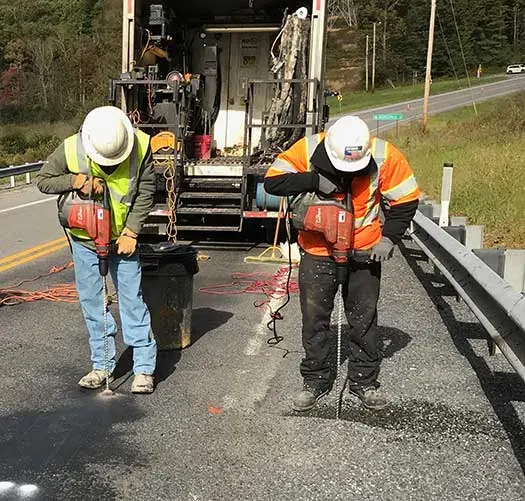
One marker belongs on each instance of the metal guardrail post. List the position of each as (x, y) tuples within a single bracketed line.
[(514, 268), (475, 236), (495, 260), (458, 221)]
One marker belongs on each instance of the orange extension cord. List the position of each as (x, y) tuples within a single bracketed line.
[(61, 293)]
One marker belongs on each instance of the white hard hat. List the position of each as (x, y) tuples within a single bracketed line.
[(107, 135), (347, 144)]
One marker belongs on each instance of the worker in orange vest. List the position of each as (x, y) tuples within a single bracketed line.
[(373, 171)]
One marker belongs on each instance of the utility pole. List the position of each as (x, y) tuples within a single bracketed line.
[(429, 62), (366, 68), (374, 59)]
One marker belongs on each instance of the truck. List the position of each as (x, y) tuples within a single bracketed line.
[(221, 86)]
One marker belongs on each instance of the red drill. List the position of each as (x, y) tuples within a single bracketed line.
[(334, 219), (93, 215)]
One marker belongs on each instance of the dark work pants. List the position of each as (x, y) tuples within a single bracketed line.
[(318, 289)]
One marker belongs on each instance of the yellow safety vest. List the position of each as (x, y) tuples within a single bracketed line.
[(122, 182)]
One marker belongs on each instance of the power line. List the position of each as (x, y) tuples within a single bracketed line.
[(447, 47), (462, 54)]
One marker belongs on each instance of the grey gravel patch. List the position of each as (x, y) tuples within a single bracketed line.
[(415, 417)]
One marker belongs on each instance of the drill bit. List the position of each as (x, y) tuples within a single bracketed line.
[(339, 345), (107, 391)]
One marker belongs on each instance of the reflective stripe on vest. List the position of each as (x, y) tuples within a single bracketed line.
[(312, 142), (283, 166), (402, 189), (379, 152)]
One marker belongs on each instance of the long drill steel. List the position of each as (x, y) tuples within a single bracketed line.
[(339, 346), (107, 391)]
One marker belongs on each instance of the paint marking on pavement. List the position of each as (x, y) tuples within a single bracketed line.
[(31, 250), (29, 204), (32, 254), (261, 330), (255, 342)]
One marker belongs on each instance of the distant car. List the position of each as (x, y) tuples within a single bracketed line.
[(515, 68)]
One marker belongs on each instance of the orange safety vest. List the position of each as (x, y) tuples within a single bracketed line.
[(393, 180)]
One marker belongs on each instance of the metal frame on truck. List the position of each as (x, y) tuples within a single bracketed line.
[(198, 77)]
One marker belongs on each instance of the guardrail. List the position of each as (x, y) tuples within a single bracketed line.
[(17, 170), (499, 307)]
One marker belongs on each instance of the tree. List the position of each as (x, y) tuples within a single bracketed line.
[(42, 54)]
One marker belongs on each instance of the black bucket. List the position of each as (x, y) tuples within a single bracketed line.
[(167, 285)]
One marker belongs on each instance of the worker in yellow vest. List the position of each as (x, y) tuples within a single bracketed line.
[(109, 148)]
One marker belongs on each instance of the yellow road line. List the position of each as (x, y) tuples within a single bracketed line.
[(14, 257), (32, 257)]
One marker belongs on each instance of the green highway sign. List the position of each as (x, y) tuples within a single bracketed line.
[(388, 116)]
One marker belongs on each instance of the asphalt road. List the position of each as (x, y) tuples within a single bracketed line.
[(219, 426), (413, 109), (27, 218)]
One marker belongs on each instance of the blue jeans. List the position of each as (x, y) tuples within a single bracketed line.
[(134, 314)]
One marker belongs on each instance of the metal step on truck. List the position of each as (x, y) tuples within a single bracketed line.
[(221, 86)]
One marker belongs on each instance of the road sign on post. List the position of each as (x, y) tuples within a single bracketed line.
[(387, 117)]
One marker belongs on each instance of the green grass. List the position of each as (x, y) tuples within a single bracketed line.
[(20, 143), (489, 172), (353, 101), (19, 180), (60, 129)]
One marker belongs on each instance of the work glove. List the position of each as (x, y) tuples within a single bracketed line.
[(88, 184), (383, 251), (127, 242), (326, 187)]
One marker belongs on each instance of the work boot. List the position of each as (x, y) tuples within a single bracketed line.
[(307, 398), (95, 379), (143, 383), (371, 397)]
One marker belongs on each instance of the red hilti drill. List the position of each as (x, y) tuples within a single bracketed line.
[(334, 219), (93, 215)]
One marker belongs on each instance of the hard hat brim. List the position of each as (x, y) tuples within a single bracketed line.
[(93, 154), (349, 166)]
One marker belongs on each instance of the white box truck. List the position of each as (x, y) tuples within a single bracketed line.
[(221, 86)]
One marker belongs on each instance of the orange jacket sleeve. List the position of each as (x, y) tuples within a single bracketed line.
[(397, 182), (292, 161)]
